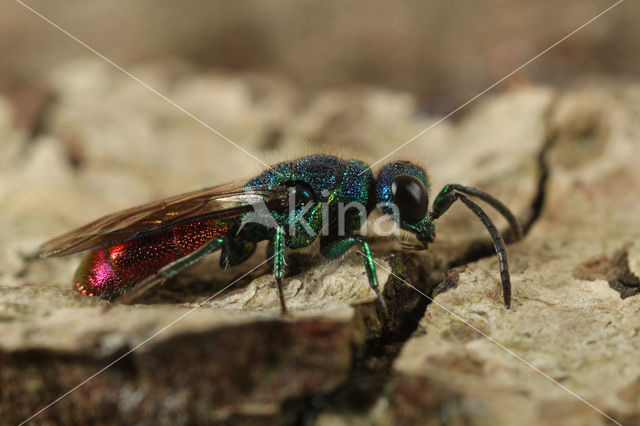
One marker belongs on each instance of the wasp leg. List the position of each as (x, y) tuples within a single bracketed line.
[(442, 204), (514, 223), (278, 266), (235, 251), (167, 272), (334, 247)]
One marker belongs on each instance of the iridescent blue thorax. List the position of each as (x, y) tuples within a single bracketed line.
[(333, 180)]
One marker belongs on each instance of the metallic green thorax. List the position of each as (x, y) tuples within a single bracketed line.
[(343, 188), (334, 181)]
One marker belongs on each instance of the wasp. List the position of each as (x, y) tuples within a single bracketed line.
[(290, 205)]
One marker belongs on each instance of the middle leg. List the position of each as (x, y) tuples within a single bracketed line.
[(334, 247)]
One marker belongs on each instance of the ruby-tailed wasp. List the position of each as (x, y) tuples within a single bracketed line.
[(312, 197)]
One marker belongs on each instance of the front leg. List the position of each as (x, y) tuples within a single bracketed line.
[(333, 247), (450, 194)]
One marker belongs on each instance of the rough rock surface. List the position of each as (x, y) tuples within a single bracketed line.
[(189, 351), (564, 162), (574, 317)]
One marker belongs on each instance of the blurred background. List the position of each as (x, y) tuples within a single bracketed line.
[(439, 51)]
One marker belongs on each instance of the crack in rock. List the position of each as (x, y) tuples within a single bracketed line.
[(614, 269)]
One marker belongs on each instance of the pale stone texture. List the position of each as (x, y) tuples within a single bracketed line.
[(577, 331), (106, 143)]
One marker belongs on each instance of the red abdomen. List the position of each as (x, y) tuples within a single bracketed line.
[(109, 271)]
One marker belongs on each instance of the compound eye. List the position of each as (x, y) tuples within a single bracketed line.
[(410, 196), (302, 193)]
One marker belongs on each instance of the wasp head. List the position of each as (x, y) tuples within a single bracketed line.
[(402, 190)]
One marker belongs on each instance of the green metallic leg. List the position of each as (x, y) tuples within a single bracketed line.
[(168, 271), (445, 199), (335, 247), (278, 266)]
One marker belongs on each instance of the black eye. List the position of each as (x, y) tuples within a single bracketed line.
[(302, 193), (410, 196)]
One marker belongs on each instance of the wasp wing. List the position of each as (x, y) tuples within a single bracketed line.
[(225, 202)]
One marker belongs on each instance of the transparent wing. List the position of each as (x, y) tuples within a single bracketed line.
[(225, 202)]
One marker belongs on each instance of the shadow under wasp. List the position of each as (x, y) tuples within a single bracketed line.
[(131, 251)]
